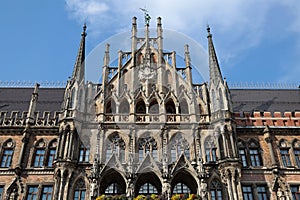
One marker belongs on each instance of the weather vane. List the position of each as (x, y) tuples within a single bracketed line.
[(147, 16)]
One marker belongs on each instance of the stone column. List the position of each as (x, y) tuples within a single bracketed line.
[(268, 139)]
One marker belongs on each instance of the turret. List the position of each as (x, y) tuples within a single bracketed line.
[(188, 68), (219, 93)]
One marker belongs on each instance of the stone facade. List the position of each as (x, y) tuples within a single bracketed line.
[(146, 129)]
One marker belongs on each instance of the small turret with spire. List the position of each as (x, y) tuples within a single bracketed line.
[(219, 92)]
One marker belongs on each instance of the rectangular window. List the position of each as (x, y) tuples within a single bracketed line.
[(1, 192), (154, 154), (211, 155), (214, 154), (295, 192), (6, 157), (32, 193), (84, 154), (51, 157), (285, 156), (79, 195), (254, 157), (243, 157), (173, 154), (262, 192), (39, 158), (297, 156), (47, 193), (141, 154), (216, 194), (247, 192)]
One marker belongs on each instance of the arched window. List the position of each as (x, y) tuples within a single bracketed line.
[(183, 107), (285, 153), (181, 188), (147, 145), (179, 145), (110, 106), (296, 147), (216, 190), (7, 153), (210, 150), (140, 107), (80, 99), (84, 153), (153, 107), (115, 145), (214, 100), (221, 99), (148, 188), (51, 153), (170, 107), (80, 190), (221, 145), (72, 100), (243, 154), (113, 188), (254, 154), (39, 155), (124, 107)]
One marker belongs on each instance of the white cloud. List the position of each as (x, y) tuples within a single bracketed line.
[(236, 25)]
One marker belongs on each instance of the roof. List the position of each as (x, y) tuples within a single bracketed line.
[(244, 100), (18, 99), (271, 100)]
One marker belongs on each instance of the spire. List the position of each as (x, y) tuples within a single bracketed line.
[(214, 69), (188, 67), (32, 106), (78, 72)]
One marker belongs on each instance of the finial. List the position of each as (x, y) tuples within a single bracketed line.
[(134, 20), (208, 31), (147, 16), (84, 30)]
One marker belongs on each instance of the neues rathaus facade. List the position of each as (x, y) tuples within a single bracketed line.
[(147, 128)]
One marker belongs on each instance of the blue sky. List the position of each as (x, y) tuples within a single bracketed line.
[(255, 41)]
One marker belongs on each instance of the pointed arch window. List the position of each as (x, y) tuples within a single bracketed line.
[(116, 145), (285, 153), (147, 145), (170, 107), (7, 153), (39, 155), (181, 188), (183, 107), (216, 190), (80, 190), (210, 150), (221, 99), (179, 145), (153, 107), (214, 100), (110, 106), (51, 153), (140, 107), (124, 107), (72, 100), (148, 188)]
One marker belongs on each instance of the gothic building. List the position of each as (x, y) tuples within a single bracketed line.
[(147, 128)]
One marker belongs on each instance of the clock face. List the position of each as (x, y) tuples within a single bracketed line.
[(146, 72)]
